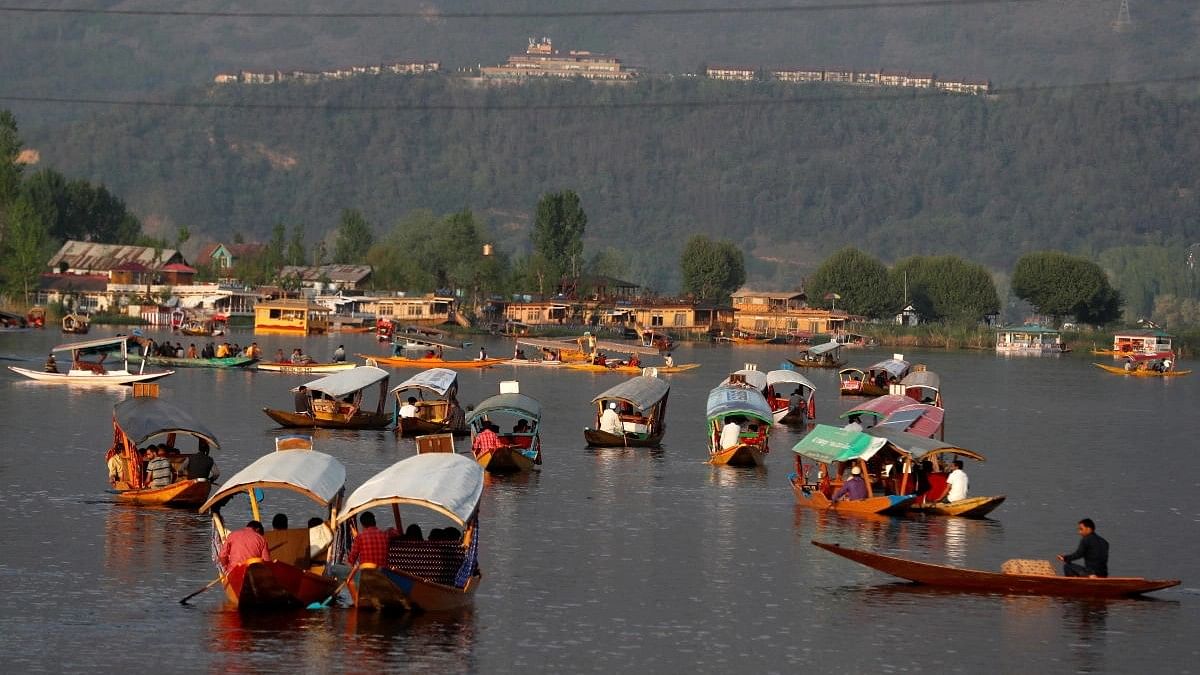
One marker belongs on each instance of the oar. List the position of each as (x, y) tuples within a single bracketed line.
[(325, 603), (206, 587)]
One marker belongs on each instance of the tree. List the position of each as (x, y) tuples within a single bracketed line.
[(859, 279), (711, 270), (946, 288), (558, 235), (182, 234), (1061, 285), (295, 249), (10, 170), (26, 247), (354, 238)]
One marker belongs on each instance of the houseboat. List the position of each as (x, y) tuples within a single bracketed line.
[(291, 316), (1030, 340), (1144, 342)]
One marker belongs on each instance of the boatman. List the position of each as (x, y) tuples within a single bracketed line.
[(200, 465), (243, 545), (610, 421), (339, 354), (371, 544), (731, 434), (958, 482), (854, 489), (301, 399), (409, 409), (1093, 549)]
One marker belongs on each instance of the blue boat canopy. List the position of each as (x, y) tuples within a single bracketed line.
[(729, 399)]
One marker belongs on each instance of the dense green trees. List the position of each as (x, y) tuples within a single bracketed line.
[(424, 252), (1063, 285), (861, 281), (558, 228), (946, 288), (354, 237), (711, 269)]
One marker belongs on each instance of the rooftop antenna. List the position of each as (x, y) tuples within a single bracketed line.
[(1122, 23)]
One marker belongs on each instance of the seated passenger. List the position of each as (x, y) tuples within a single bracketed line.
[(486, 440), (854, 489), (319, 538), (413, 533), (279, 522), (731, 433), (409, 409), (610, 421), (521, 427), (159, 471)]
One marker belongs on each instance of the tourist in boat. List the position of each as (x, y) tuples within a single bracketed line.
[(319, 538), (958, 482), (854, 489), (178, 349), (600, 359), (1093, 549), (159, 470), (223, 350), (51, 365), (297, 356), (669, 360), (255, 352), (430, 354), (201, 465), (853, 424), (339, 354), (279, 356), (192, 352), (521, 427), (409, 409), (456, 417), (279, 522), (301, 399), (116, 468), (486, 440), (483, 354), (731, 433), (634, 361), (1166, 363), (796, 402), (243, 545), (610, 421), (371, 544), (413, 533)]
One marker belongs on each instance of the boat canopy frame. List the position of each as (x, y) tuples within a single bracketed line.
[(316, 475), (643, 392), (446, 483), (141, 418)]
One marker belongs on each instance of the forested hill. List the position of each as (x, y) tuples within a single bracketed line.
[(788, 172)]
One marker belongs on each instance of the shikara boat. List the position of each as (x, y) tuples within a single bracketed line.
[(825, 355), (136, 422), (304, 368), (335, 402), (873, 381), (899, 413), (834, 450), (939, 455), (779, 385), (519, 450), (77, 324), (174, 362), (430, 575), (202, 327), (291, 578), (1145, 366), (597, 359), (746, 337), (436, 391), (944, 576), (85, 372), (923, 386), (743, 404), (1145, 342), (430, 362), (632, 370), (642, 407)]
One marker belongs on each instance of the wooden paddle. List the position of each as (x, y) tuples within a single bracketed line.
[(325, 603), (206, 587)]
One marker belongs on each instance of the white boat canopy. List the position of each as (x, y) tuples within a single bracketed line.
[(825, 348), (789, 377), (436, 380), (316, 475), (642, 392), (447, 483), (754, 378), (89, 344), (893, 367), (348, 381)]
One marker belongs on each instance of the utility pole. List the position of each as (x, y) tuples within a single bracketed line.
[(1122, 23)]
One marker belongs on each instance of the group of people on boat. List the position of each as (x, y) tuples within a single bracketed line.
[(252, 541), (951, 486), (161, 464), (371, 544), (489, 437), (735, 426), (1163, 365)]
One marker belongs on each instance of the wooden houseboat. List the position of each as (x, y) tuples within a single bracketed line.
[(1029, 340), (640, 405), (1143, 342), (291, 316)]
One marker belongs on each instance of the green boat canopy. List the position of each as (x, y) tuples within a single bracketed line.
[(828, 444), (514, 404)]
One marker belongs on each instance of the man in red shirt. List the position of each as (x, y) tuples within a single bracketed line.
[(244, 544), (371, 544), (486, 440)]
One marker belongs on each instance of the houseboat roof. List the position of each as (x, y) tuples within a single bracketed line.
[(1142, 333), (1033, 329), (292, 303)]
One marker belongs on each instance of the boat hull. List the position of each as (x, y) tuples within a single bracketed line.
[(800, 363), (853, 388), (88, 378), (631, 370), (184, 494), (505, 460), (881, 505), (415, 426), (602, 439), (971, 507), (401, 362), (1118, 370), (226, 362), (305, 368), (360, 420), (270, 584), (388, 589), (944, 576), (739, 455)]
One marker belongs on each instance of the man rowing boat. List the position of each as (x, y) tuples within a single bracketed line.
[(1093, 549)]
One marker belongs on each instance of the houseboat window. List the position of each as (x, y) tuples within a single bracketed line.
[(814, 326), (760, 324), (415, 310), (531, 315), (793, 324), (680, 319), (275, 313), (656, 320)]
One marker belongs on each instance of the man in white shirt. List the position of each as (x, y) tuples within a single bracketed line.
[(731, 434), (957, 480), (409, 409), (853, 424), (610, 421)]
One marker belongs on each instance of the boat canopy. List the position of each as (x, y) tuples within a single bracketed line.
[(447, 483), (920, 419), (142, 418), (625, 348), (731, 399), (754, 378), (789, 377), (642, 392), (554, 345), (893, 367), (922, 378), (921, 447), (879, 407), (90, 344), (828, 444), (348, 381), (436, 380), (313, 474), (518, 404), (824, 348), (424, 341)]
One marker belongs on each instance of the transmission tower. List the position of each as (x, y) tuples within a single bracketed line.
[(1122, 23)]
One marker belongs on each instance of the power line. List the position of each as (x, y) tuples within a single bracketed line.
[(538, 14)]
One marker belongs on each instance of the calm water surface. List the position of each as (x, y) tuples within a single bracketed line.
[(615, 560)]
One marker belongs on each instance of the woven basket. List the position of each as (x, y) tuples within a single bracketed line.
[(1035, 567)]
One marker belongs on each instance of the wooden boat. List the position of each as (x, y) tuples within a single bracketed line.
[(944, 576), (741, 403), (632, 370), (783, 380), (833, 450), (825, 355), (1143, 367), (923, 386), (224, 362), (136, 422), (87, 373), (745, 337), (293, 578), (335, 402), (520, 451), (552, 351), (934, 459), (304, 368), (438, 410), (77, 324), (1031, 339), (430, 575), (899, 413), (596, 359), (202, 327), (1153, 342), (641, 403), (873, 381), (405, 362)]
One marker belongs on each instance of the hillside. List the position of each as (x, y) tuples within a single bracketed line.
[(790, 177)]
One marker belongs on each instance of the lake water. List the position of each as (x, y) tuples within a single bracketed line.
[(623, 560)]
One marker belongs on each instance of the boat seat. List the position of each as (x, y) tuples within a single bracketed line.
[(289, 546), (1035, 567), (938, 489), (436, 561), (522, 441)]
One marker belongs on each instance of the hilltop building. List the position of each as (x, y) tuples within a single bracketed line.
[(542, 60)]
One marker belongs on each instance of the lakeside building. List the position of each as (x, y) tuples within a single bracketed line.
[(291, 316), (328, 277), (783, 313), (542, 60), (735, 73), (278, 76), (428, 309)]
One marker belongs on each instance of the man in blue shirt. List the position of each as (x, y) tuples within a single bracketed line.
[(854, 488)]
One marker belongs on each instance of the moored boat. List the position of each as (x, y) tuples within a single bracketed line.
[(519, 450), (136, 422), (875, 380), (293, 577), (1143, 342), (206, 327), (429, 362), (75, 323), (304, 368), (433, 574), (944, 576), (832, 451), (739, 423), (85, 372), (437, 407), (784, 409), (639, 405), (631, 370), (336, 402), (824, 355), (1030, 339), (180, 362)]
